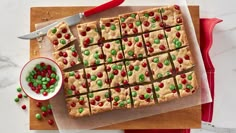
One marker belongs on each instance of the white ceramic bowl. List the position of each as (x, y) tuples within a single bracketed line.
[(28, 67)]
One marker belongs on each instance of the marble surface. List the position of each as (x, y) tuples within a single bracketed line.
[(14, 53)]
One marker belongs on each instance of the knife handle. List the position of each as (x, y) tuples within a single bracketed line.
[(103, 7)]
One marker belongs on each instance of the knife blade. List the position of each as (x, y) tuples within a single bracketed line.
[(72, 20)]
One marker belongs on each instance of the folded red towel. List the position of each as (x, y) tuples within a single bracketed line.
[(206, 25)]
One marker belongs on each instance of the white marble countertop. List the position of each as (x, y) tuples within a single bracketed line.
[(14, 53)]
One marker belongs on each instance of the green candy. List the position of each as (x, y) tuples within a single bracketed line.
[(111, 76), (87, 52), (35, 84), (96, 56), (99, 83), (90, 95), (114, 67), (106, 95), (146, 15), (175, 40), (54, 30), (167, 62), (113, 52), (81, 110), (38, 66), (40, 77), (161, 10), (130, 53), (133, 15), (173, 57), (128, 101), (136, 68), (97, 61), (17, 99), (52, 90), (122, 19), (190, 77), (54, 69), (158, 95), (93, 77), (153, 20), (156, 60), (156, 88), (103, 27), (172, 87), (137, 23), (69, 92), (168, 73), (109, 60), (53, 75), (85, 62), (121, 104), (117, 41), (134, 93), (25, 96), (43, 79), (159, 75), (189, 86), (91, 40), (38, 116), (120, 48), (178, 44), (119, 66), (72, 49), (136, 39), (140, 55), (156, 41), (178, 27), (113, 27), (123, 46), (18, 89), (141, 77), (43, 108), (130, 73), (63, 41), (153, 26), (116, 98), (180, 86), (81, 98), (49, 106), (146, 96), (127, 63), (71, 73)]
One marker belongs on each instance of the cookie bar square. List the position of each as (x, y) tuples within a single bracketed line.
[(100, 101), (160, 65), (165, 90), (92, 55), (60, 35), (150, 19), (66, 58), (130, 24), (155, 42), (78, 106), (74, 83), (171, 16), (88, 34), (113, 51), (187, 83), (97, 78), (120, 98), (182, 59), (117, 74), (176, 37), (142, 95), (138, 71), (110, 28), (133, 47)]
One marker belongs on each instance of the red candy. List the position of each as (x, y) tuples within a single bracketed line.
[(55, 42), (162, 47), (72, 87), (164, 17), (160, 65), (136, 87), (120, 56), (101, 56), (161, 85), (179, 20), (100, 104), (147, 73), (151, 13), (144, 64), (146, 35), (23, 107), (184, 81), (186, 57), (65, 54), (146, 23), (50, 122), (176, 7), (88, 29), (44, 114), (64, 30), (19, 95), (117, 89), (107, 24), (73, 104), (151, 49), (59, 35), (130, 25), (99, 74), (83, 33), (180, 60), (115, 72), (123, 25), (129, 43), (183, 76), (97, 98), (45, 93), (160, 36), (148, 90), (135, 30), (123, 73), (107, 45), (177, 34), (157, 18), (131, 67), (141, 97), (38, 104), (139, 44), (148, 44), (125, 82), (65, 61), (74, 54)]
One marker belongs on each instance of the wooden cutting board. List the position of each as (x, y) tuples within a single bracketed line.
[(185, 118)]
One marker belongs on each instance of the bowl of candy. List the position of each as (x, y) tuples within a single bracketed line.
[(41, 78)]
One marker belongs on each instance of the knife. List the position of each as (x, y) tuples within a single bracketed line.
[(72, 20)]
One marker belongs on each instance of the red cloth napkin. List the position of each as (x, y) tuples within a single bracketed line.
[(206, 28)]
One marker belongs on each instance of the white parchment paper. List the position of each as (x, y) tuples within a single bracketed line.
[(67, 124)]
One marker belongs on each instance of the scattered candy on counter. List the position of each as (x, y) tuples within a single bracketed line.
[(46, 110), (43, 79)]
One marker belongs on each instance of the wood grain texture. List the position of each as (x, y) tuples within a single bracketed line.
[(185, 118)]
